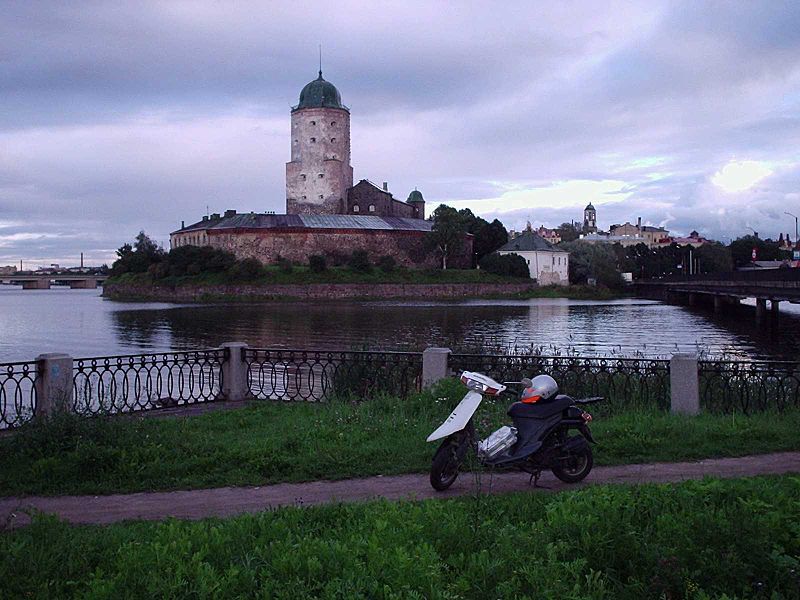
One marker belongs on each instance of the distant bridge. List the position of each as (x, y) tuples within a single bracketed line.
[(725, 289), (36, 281)]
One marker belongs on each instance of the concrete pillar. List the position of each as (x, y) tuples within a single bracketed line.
[(719, 304), (83, 284), (692, 299), (684, 384), (761, 309), (434, 365), (53, 384), (774, 308), (235, 383), (36, 284)]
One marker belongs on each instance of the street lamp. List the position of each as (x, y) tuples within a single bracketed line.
[(795, 224)]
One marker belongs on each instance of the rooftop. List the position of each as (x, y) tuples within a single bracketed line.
[(528, 242), (231, 220)]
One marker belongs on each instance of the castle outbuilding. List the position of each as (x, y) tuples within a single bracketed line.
[(325, 213)]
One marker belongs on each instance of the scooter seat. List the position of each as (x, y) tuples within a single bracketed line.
[(539, 410)]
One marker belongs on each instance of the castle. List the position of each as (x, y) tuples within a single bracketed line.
[(325, 213)]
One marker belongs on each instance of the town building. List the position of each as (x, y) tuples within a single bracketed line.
[(325, 213), (547, 265), (589, 219), (552, 236), (8, 270)]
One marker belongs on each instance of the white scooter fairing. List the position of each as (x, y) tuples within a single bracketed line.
[(459, 418)]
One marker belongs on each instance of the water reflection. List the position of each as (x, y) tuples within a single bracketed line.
[(83, 324)]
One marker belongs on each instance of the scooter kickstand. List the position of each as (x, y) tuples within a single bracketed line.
[(535, 479)]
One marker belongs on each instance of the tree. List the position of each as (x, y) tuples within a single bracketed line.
[(447, 235), (138, 257), (595, 261), (741, 250), (568, 232), (510, 265), (488, 237)]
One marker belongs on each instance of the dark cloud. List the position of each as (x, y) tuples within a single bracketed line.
[(125, 116)]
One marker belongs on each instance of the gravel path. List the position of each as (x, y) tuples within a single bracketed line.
[(228, 501)]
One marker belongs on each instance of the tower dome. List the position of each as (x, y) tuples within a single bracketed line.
[(320, 94), (415, 196)]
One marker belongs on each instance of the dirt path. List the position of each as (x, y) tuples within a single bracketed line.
[(224, 502)]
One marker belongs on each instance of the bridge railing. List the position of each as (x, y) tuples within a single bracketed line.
[(731, 276), (18, 394)]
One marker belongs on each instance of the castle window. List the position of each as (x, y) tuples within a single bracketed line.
[(333, 140), (321, 175), (303, 197), (371, 208), (320, 196), (313, 122), (333, 123), (303, 176), (356, 208)]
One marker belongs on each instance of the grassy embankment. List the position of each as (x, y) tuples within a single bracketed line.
[(341, 275), (274, 442), (701, 539)]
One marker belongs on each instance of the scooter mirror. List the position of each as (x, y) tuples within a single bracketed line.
[(526, 382)]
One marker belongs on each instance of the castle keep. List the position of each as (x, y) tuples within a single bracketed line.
[(325, 213)]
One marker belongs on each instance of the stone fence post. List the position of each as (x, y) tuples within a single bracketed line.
[(235, 384), (684, 384), (434, 365), (53, 384)]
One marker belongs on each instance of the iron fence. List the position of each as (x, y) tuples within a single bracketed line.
[(624, 382), (114, 384), (17, 393), (739, 386), (320, 375)]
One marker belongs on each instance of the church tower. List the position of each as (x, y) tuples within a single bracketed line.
[(589, 219), (319, 174)]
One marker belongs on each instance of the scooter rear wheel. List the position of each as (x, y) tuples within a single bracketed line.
[(576, 467), (444, 469)]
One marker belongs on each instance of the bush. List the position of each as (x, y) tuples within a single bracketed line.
[(359, 261), (387, 263), (509, 265), (316, 263), (285, 265), (246, 270)]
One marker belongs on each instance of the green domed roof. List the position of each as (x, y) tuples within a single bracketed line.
[(320, 94), (589, 207), (415, 196)]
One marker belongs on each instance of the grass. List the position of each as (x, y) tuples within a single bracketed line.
[(274, 442), (701, 539)]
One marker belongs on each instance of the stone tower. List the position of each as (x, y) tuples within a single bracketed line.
[(319, 174), (589, 219)]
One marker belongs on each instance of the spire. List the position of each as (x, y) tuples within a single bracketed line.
[(320, 61)]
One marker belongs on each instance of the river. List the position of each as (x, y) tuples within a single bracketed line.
[(82, 323)]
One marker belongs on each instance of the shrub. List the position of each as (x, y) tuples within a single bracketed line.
[(316, 263), (359, 261), (285, 265), (509, 265), (246, 270), (387, 263)]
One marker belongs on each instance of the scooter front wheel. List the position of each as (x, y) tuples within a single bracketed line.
[(446, 461)]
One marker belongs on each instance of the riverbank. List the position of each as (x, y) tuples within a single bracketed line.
[(340, 284)]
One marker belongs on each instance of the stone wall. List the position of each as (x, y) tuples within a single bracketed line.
[(319, 174), (329, 291), (407, 247)]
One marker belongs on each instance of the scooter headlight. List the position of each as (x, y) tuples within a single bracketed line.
[(478, 386)]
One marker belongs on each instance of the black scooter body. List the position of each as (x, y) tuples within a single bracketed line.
[(533, 423)]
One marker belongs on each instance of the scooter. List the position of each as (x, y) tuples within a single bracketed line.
[(540, 438)]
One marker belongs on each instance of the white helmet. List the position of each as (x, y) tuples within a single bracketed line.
[(543, 387)]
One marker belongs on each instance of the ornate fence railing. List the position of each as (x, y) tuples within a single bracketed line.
[(17, 393), (737, 386), (320, 375), (624, 382), (114, 384)]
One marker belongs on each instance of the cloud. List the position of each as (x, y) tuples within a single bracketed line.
[(125, 116)]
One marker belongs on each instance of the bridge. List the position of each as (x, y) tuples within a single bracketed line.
[(726, 289), (37, 281)]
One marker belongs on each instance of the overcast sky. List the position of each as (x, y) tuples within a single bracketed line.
[(120, 116)]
